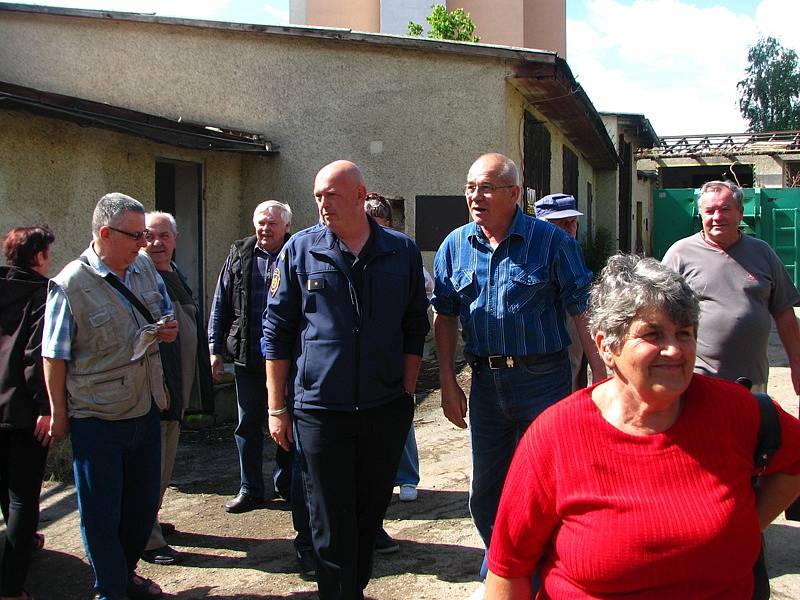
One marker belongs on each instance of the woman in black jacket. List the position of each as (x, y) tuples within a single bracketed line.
[(24, 406)]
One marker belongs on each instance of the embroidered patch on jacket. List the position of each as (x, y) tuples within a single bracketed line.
[(276, 282)]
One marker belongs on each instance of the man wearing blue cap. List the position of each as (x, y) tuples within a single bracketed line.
[(509, 279), (562, 211)]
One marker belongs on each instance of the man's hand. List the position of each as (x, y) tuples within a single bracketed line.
[(42, 430), (280, 430), (217, 367), (795, 371), (59, 428), (454, 404), (168, 331)]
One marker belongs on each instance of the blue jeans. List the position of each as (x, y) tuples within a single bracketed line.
[(408, 469), (117, 466), (502, 403), (251, 399)]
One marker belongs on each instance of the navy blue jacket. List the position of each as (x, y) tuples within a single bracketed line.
[(346, 355)]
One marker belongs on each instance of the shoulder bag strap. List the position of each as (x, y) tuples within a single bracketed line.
[(114, 282)]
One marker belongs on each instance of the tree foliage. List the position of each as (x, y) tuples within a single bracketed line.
[(444, 25), (769, 95)]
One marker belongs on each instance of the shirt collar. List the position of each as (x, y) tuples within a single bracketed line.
[(98, 265), (517, 227), (259, 250)]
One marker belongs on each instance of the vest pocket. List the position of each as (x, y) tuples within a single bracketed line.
[(153, 302), (102, 335)]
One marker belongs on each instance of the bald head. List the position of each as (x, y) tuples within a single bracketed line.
[(340, 191), (500, 165), (344, 171)]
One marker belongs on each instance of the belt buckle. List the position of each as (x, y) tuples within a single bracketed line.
[(498, 361)]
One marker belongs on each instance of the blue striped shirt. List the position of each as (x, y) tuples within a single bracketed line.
[(59, 326), (512, 299)]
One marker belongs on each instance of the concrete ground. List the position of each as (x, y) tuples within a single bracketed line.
[(250, 556)]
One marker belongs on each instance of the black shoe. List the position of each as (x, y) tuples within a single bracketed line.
[(168, 529), (166, 555), (384, 544), (306, 561), (284, 495), (243, 503)]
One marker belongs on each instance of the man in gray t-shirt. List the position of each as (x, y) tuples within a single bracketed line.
[(742, 284)]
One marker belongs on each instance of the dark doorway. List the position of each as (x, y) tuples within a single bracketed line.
[(537, 157), (569, 173), (179, 191), (589, 211), (625, 195), (435, 217)]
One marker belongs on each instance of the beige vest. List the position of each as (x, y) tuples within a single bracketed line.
[(102, 381)]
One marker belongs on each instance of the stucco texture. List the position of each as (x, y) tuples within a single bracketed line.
[(319, 100), (54, 172)]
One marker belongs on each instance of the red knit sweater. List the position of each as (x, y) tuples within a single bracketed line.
[(663, 516)]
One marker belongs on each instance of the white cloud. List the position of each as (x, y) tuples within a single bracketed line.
[(280, 15), (674, 62), (780, 19)]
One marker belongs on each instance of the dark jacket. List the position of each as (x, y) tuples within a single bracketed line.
[(348, 354), (171, 363), (241, 264), (230, 321), (23, 397)]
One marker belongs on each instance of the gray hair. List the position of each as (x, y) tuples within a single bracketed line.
[(508, 168), (630, 285), (110, 208), (715, 186), (509, 171), (285, 210), (158, 214)]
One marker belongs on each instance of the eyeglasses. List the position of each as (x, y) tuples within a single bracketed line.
[(487, 189), (134, 235)]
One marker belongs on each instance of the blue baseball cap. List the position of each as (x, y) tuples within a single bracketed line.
[(556, 206)]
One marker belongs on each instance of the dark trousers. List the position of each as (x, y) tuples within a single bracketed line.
[(300, 519), (117, 466), (22, 463), (349, 462), (251, 398)]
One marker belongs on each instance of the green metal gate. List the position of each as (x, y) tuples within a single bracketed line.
[(770, 214)]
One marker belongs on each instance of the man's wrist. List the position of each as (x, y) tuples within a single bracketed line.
[(276, 412)]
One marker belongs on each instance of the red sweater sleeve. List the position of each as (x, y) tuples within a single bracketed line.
[(527, 516)]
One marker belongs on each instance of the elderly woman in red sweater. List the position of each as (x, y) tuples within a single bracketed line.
[(640, 486)]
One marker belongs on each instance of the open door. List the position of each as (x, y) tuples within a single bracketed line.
[(179, 191)]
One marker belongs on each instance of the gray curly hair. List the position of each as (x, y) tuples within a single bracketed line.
[(631, 284)]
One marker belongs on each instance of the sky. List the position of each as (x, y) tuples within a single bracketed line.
[(675, 61)]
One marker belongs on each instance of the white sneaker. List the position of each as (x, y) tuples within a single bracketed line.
[(408, 493), (478, 593)]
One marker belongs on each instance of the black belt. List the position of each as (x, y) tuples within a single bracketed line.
[(499, 361)]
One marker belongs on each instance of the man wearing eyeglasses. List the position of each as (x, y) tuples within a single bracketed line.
[(96, 312), (509, 279)]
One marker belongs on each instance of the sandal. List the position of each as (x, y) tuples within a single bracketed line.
[(141, 588), (38, 542)]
